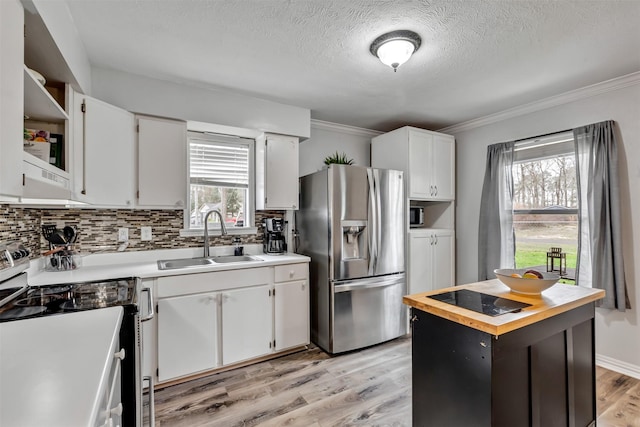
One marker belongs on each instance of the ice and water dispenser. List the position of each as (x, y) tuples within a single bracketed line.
[(354, 240)]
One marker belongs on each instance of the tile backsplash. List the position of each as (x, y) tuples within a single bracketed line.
[(98, 228)]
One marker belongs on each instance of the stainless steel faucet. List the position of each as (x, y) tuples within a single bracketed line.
[(223, 229)]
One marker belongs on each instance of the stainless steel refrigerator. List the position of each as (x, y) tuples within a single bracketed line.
[(351, 222)]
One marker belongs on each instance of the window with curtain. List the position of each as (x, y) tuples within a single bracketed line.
[(220, 177), (545, 201), (599, 260)]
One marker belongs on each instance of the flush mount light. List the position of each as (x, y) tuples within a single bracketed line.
[(395, 48)]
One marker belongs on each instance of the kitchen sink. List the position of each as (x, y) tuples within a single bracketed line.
[(171, 264), (233, 258)]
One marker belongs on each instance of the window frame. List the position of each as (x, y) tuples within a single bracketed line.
[(249, 208), (537, 149), (528, 150)]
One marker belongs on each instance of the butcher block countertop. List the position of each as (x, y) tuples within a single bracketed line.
[(555, 300)]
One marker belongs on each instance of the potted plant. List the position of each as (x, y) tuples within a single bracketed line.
[(340, 159)]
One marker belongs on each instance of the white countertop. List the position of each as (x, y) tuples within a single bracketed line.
[(53, 369), (143, 264)]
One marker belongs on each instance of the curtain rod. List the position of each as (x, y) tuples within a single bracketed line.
[(542, 136)]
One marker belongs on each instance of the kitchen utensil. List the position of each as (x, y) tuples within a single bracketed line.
[(53, 251), (58, 238), (69, 234), (53, 235), (47, 231)]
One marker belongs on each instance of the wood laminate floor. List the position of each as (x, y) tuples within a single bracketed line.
[(371, 387)]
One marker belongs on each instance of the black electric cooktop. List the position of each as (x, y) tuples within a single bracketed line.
[(490, 305)]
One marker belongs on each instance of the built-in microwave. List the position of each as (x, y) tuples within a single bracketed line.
[(416, 216)]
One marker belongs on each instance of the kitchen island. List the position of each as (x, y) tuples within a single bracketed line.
[(532, 367)]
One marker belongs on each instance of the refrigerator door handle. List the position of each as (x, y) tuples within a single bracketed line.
[(372, 234), (354, 285), (378, 217)]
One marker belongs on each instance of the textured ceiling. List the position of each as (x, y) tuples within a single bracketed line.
[(476, 58)]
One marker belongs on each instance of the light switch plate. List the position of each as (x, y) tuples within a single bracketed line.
[(145, 234)]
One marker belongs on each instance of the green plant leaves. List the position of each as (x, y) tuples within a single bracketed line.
[(337, 158)]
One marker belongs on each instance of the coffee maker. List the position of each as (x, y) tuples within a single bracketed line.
[(275, 242)]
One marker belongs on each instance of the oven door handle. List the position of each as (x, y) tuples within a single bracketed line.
[(150, 311), (152, 409)]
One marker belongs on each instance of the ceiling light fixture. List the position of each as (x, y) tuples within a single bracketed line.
[(395, 48)]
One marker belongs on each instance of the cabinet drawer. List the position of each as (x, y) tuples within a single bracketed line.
[(284, 273), (188, 284)]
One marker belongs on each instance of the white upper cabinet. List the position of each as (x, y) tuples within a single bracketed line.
[(104, 153), (11, 98), (443, 167), (276, 172), (427, 158), (162, 164), (418, 173)]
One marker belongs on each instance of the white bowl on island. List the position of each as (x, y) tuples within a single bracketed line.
[(526, 285)]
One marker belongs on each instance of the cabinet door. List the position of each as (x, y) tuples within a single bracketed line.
[(277, 173), (443, 167), (419, 165), (443, 259), (420, 261), (12, 99), (291, 305), (247, 323), (104, 153), (162, 165), (187, 335)]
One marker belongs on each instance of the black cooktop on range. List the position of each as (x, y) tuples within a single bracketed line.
[(53, 299), (490, 305)]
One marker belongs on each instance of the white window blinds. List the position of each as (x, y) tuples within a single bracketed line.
[(219, 161), (550, 146)]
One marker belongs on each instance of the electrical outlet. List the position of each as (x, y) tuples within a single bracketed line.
[(145, 234), (123, 234)]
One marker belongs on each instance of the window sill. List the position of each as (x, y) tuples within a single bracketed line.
[(216, 232)]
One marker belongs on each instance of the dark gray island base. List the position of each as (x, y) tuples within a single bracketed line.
[(531, 368)]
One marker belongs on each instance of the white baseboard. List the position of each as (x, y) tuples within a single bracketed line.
[(618, 366)]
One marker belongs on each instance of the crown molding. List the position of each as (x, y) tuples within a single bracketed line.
[(553, 101), (336, 127)]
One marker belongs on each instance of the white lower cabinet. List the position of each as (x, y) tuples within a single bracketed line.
[(208, 320), (187, 335), (291, 309), (431, 260), (291, 306), (247, 323)]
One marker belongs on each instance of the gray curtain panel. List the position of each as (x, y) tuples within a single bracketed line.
[(496, 238), (600, 263)]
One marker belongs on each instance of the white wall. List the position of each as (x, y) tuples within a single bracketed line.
[(144, 95), (327, 138), (617, 334)]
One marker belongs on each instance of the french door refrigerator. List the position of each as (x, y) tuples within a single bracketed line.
[(351, 222)]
